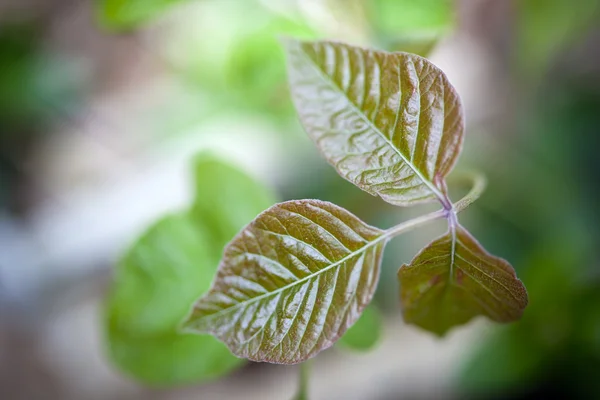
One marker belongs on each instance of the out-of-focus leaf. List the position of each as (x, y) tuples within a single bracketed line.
[(171, 358), (411, 26), (225, 200), (391, 123), (421, 45), (292, 282), (410, 17), (365, 333), (234, 65), (168, 268), (454, 279), (545, 27), (154, 285), (124, 14)]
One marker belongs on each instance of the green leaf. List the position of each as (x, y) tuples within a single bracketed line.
[(391, 123), (409, 17), (411, 26), (171, 358), (365, 333), (126, 14), (421, 45), (167, 269), (454, 279), (225, 199), (153, 287), (546, 27), (291, 282)]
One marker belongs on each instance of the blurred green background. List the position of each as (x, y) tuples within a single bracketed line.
[(103, 106)]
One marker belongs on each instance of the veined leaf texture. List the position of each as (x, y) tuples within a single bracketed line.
[(391, 123), (292, 282), (454, 279)]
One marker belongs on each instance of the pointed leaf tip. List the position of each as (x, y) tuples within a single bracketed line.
[(454, 279), (388, 122), (291, 282)]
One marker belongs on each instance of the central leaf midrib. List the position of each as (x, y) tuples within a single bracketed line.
[(300, 281), (332, 83)]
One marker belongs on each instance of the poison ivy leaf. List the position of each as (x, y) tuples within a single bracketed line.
[(167, 269), (391, 123), (454, 279), (291, 282), (365, 333), (129, 13)]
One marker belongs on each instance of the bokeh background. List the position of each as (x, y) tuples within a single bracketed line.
[(99, 121)]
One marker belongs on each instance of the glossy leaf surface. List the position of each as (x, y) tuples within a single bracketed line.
[(365, 333), (391, 123), (167, 269), (292, 282), (454, 279)]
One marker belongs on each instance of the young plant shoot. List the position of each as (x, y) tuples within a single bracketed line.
[(300, 274)]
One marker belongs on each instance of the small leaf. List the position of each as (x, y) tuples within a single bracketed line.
[(124, 14), (365, 333), (391, 123), (291, 282), (454, 279)]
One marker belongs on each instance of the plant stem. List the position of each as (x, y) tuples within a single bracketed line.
[(477, 180), (415, 222), (303, 381)]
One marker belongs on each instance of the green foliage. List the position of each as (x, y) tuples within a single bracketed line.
[(365, 333), (225, 200), (171, 265), (411, 26), (412, 17), (296, 278), (127, 14), (545, 27), (31, 81)]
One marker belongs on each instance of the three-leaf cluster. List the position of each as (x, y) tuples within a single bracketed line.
[(297, 277)]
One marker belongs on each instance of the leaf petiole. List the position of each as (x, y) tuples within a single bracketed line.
[(478, 182)]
